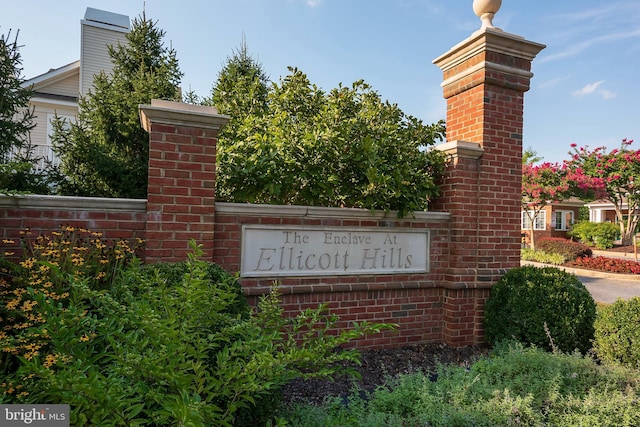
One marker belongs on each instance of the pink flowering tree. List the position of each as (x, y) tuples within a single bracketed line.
[(542, 184), (613, 176)]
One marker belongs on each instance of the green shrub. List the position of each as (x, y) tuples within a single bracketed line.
[(569, 250), (617, 332), (514, 386), (598, 234), (534, 305), (527, 254), (158, 345)]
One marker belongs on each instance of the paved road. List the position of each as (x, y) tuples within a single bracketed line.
[(608, 290)]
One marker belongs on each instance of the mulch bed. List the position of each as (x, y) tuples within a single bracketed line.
[(379, 365)]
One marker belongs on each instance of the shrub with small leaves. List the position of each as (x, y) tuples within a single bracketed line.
[(617, 332), (569, 249), (527, 254), (598, 234), (164, 345), (536, 305)]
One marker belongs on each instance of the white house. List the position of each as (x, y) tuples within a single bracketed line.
[(57, 91)]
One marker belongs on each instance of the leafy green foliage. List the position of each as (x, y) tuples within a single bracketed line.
[(159, 345), (513, 386), (106, 152), (345, 148), (527, 254), (536, 305), (598, 234), (617, 333), (568, 249)]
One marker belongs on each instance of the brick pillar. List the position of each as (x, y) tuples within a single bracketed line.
[(182, 175), (485, 78)]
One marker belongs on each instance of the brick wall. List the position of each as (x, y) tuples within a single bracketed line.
[(115, 218), (474, 226)]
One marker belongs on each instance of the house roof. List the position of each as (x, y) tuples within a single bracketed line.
[(52, 76)]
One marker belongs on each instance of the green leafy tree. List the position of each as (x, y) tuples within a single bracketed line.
[(17, 159), (530, 156), (343, 148), (106, 152), (613, 176)]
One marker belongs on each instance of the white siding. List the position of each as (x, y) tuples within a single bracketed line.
[(40, 139), (67, 87), (94, 55)]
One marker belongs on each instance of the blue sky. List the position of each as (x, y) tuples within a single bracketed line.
[(585, 89)]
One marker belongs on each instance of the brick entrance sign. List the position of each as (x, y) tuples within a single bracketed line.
[(430, 272)]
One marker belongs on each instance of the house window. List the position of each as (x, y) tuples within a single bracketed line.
[(563, 220), (539, 223)]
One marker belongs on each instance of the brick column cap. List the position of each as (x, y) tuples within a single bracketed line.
[(181, 114), (461, 149), (491, 39)]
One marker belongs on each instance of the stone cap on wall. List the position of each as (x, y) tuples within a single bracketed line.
[(181, 114), (464, 149), (72, 203), (324, 212)]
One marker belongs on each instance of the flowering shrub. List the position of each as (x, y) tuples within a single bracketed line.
[(612, 265), (598, 174), (43, 279), (153, 345), (570, 250)]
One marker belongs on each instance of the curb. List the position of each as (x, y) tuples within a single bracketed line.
[(587, 273)]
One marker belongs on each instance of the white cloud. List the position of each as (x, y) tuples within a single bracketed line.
[(313, 3), (588, 89), (594, 88), (588, 43)]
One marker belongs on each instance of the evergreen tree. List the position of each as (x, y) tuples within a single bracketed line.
[(17, 159), (240, 91), (106, 152), (16, 119)]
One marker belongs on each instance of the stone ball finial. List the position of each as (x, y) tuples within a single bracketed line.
[(486, 9)]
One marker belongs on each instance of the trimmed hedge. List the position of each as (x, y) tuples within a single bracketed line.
[(569, 249), (617, 332), (527, 298)]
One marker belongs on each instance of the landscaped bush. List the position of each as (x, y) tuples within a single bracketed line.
[(617, 332), (514, 386), (611, 265), (153, 345), (598, 234), (535, 305), (527, 254), (570, 250)]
